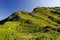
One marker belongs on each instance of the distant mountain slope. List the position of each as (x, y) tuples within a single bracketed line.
[(43, 23)]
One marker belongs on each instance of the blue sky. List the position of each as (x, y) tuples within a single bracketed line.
[(7, 7)]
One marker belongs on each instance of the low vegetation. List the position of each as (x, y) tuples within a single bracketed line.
[(43, 23)]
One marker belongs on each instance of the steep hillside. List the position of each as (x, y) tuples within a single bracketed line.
[(43, 23)]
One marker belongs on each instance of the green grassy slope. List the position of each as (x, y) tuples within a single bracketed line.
[(43, 23)]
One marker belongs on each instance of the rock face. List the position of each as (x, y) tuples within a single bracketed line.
[(43, 23)]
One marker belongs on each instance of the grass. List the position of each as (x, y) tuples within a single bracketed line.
[(40, 24)]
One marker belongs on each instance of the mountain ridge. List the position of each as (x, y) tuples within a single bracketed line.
[(43, 23)]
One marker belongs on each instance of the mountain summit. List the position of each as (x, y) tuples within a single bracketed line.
[(43, 23)]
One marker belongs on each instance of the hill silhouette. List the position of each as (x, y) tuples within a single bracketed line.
[(43, 23)]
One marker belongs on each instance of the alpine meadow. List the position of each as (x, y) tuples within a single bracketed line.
[(43, 23)]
